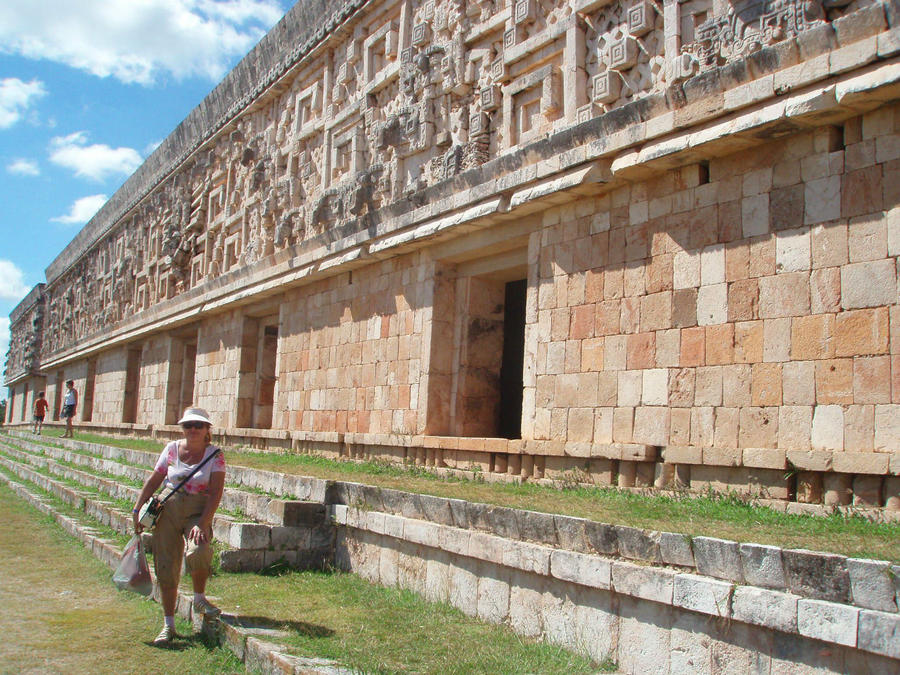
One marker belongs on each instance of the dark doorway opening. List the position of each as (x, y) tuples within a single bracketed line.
[(511, 369)]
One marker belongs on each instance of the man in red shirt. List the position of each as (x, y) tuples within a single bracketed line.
[(40, 409)]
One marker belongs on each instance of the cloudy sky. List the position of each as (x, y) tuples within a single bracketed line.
[(87, 90)]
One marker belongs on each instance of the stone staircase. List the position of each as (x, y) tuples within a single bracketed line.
[(589, 586), (255, 529)]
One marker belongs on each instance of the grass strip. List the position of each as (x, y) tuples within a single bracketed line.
[(63, 615)]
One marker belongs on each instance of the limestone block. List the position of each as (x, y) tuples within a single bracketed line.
[(828, 621), (887, 427), (762, 565), (871, 585), (755, 215), (776, 340), (580, 568), (645, 636), (762, 607), (868, 284), (816, 575), (792, 250), (675, 549), (464, 586), (638, 544), (525, 605), (867, 490), (712, 265), (647, 583), (437, 577), (602, 538), (655, 386), (249, 536), (422, 532), (712, 305), (596, 624), (570, 533), (493, 596), (828, 428), (558, 612), (879, 632), (537, 527), (718, 558), (527, 557), (822, 200), (455, 540), (651, 425), (702, 594), (794, 427), (837, 489), (784, 295)]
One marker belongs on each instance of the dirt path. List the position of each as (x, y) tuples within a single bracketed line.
[(59, 612)]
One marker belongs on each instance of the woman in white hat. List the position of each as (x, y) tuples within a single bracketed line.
[(184, 527)]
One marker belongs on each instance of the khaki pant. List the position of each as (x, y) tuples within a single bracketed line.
[(181, 512)]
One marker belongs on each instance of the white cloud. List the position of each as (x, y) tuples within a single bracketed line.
[(137, 40), (82, 210), (23, 167), (17, 96), (92, 161), (12, 282)]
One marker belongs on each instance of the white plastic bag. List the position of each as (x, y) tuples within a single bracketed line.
[(133, 573)]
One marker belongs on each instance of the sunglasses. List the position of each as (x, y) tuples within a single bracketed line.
[(193, 425)]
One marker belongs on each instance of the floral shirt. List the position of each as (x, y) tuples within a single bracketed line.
[(176, 471)]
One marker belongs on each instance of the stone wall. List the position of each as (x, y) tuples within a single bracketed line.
[(109, 385)]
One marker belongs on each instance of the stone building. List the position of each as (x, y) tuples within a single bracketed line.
[(629, 242)]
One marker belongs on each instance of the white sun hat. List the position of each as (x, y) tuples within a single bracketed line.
[(195, 415)]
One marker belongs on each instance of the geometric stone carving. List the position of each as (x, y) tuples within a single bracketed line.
[(421, 34), (498, 70), (607, 86), (641, 18), (491, 98), (479, 124), (510, 37), (524, 11), (623, 54)]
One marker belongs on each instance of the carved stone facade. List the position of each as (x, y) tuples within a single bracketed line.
[(676, 194)]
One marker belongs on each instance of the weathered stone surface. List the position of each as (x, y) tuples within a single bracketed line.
[(828, 621), (718, 558), (638, 544), (537, 527), (580, 568), (871, 584), (649, 583), (879, 632), (816, 575), (702, 594), (675, 549), (570, 533), (602, 538), (762, 565), (762, 607)]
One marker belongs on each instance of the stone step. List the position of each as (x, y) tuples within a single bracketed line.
[(259, 507)]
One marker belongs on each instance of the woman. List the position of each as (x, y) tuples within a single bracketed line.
[(185, 525), (70, 402)]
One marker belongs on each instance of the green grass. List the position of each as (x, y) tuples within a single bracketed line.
[(62, 614), (384, 630)]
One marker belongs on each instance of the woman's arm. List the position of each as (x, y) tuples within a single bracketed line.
[(151, 486), (216, 488)]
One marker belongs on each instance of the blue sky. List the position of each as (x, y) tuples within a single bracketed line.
[(87, 90)]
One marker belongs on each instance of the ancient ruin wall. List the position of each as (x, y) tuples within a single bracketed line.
[(404, 96)]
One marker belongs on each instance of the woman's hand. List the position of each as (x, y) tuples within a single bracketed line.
[(199, 534), (138, 528)]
